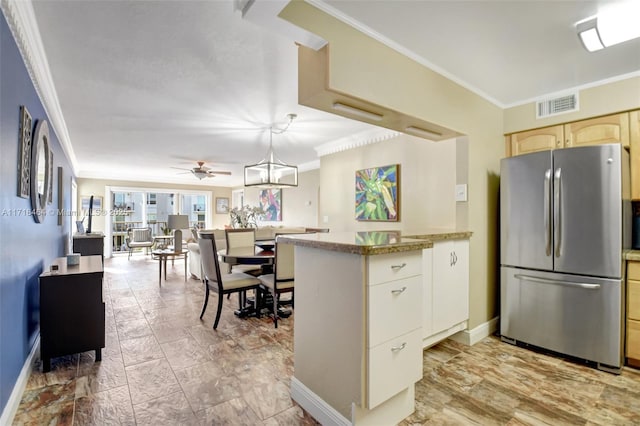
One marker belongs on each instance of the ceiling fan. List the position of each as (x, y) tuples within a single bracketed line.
[(203, 171)]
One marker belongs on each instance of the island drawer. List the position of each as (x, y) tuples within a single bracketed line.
[(394, 366), (394, 266), (394, 309)]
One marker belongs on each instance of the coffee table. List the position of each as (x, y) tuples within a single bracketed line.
[(163, 255)]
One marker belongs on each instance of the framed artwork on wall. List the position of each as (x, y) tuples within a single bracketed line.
[(50, 170), (271, 204), (222, 205), (60, 196), (377, 193), (24, 161), (84, 203)]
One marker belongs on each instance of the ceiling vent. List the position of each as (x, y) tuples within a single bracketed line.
[(558, 105)]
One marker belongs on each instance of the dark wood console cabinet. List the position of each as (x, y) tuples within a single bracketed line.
[(72, 310)]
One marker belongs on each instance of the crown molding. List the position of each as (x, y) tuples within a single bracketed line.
[(24, 27), (367, 137)]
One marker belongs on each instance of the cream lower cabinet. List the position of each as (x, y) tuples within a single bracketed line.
[(445, 290), (357, 335)]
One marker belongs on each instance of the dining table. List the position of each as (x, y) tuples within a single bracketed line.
[(253, 255), (259, 254)]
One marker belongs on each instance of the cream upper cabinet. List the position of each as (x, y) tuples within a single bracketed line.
[(600, 130), (634, 141), (537, 140)]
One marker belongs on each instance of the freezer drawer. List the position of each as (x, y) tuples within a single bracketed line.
[(574, 315)]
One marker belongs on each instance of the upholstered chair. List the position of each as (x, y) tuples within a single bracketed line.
[(242, 238), (138, 238), (282, 280), (222, 284)]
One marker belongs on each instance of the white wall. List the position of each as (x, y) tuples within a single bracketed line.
[(299, 205), (427, 184)]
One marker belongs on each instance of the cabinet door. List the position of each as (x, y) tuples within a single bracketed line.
[(634, 142), (537, 140), (450, 284), (595, 131)]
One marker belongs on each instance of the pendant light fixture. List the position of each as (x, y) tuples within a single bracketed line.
[(271, 172)]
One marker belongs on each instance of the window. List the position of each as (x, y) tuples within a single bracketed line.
[(195, 206)]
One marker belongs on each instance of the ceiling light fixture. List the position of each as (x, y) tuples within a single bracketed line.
[(200, 174), (357, 112), (614, 24), (271, 172), (417, 131)]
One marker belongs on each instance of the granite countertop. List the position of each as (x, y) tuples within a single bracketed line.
[(439, 234), (371, 242), (633, 255)]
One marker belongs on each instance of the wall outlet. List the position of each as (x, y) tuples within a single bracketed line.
[(461, 192)]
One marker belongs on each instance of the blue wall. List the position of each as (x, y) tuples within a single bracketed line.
[(26, 247)]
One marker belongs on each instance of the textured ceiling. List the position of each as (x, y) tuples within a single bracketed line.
[(149, 85)]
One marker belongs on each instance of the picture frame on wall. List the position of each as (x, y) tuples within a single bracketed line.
[(84, 203), (222, 205), (24, 160), (378, 194), (271, 204), (50, 200), (60, 196)]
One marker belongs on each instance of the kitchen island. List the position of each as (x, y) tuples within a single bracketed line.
[(358, 325)]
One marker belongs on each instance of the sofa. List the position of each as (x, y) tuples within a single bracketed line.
[(262, 233)]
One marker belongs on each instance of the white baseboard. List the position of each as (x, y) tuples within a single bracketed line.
[(13, 403), (471, 337), (316, 406)]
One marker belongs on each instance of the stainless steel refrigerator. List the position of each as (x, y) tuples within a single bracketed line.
[(565, 223)]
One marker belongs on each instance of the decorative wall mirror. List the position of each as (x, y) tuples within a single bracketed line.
[(40, 171)]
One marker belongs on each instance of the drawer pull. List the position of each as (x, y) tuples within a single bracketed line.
[(398, 348), (398, 267), (402, 290)]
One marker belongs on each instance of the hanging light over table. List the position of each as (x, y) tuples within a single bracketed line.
[(271, 172)]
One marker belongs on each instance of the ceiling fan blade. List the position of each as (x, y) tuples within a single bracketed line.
[(218, 172), (180, 168)]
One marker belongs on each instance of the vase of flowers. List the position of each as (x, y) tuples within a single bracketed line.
[(245, 216)]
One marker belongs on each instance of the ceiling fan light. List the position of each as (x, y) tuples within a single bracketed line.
[(200, 174)]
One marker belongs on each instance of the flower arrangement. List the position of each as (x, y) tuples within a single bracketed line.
[(165, 230), (245, 216)]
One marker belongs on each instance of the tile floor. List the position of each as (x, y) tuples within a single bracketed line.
[(163, 366)]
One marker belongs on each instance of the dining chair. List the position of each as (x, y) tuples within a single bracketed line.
[(282, 280), (242, 237), (236, 282)]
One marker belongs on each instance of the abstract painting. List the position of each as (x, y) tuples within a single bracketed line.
[(377, 193), (271, 204)]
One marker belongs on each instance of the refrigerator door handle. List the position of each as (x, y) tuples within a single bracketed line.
[(539, 280), (547, 211), (557, 210)]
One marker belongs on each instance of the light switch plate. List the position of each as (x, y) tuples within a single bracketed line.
[(461, 192)]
